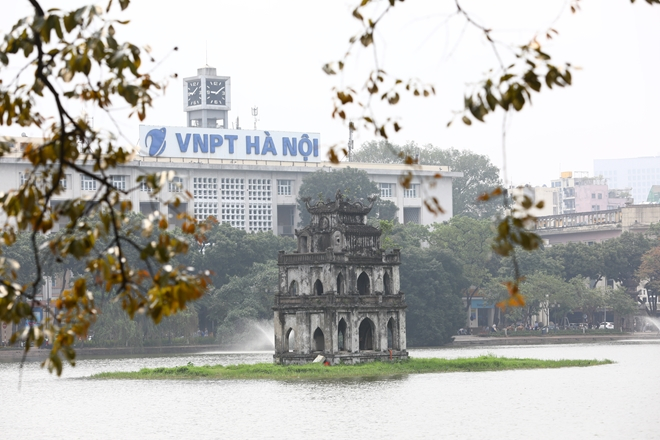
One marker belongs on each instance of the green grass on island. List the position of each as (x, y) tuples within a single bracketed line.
[(372, 369)]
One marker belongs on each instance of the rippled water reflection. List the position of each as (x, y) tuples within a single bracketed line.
[(610, 401)]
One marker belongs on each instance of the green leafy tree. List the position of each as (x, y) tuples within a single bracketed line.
[(243, 301), (578, 260), (432, 281), (468, 240), (537, 289), (590, 301), (529, 263), (21, 252), (523, 69), (621, 303), (383, 151), (623, 256), (542, 293), (113, 327), (564, 300), (403, 236), (480, 176), (353, 183), (230, 252), (649, 272), (182, 325), (67, 60)]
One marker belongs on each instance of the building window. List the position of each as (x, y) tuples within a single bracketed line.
[(205, 188), (595, 208), (64, 185), (412, 192), (87, 183), (144, 187), (284, 187), (232, 189), (600, 196), (176, 185), (234, 214), (233, 201), (260, 211), (386, 189), (411, 215), (260, 217), (205, 194), (259, 190), (119, 182), (204, 210), (593, 195)]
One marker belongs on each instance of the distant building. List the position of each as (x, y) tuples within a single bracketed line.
[(575, 192), (247, 178), (654, 195), (639, 174), (580, 193)]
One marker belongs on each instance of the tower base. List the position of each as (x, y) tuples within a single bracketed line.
[(345, 358)]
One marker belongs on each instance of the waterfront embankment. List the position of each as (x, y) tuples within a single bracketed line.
[(15, 354), (512, 339)]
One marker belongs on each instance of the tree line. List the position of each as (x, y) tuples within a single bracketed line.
[(453, 260)]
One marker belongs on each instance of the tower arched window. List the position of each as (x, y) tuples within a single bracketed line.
[(319, 340), (341, 335), (363, 284), (366, 334), (318, 287)]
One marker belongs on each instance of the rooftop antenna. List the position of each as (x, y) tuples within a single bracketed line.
[(350, 142), (206, 52), (255, 112)]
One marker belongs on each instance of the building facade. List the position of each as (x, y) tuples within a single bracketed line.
[(247, 178), (639, 174), (575, 192), (339, 291), (254, 195)]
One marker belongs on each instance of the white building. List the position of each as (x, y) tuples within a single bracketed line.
[(639, 173), (255, 195), (247, 178)]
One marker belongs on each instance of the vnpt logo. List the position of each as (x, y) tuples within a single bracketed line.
[(155, 141)]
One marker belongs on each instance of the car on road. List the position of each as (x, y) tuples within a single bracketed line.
[(606, 326)]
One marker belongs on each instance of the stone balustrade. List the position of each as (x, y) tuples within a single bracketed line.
[(594, 218), (337, 300)]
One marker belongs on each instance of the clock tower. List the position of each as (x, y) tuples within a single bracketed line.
[(207, 99)]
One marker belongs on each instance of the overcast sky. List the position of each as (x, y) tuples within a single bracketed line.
[(274, 51)]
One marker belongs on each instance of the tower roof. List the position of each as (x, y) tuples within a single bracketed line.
[(341, 205)]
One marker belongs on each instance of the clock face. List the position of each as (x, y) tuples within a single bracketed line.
[(194, 92), (216, 92)]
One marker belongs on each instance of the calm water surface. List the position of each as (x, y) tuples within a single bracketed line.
[(618, 401)]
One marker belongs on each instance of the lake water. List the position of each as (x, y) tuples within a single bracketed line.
[(607, 402)]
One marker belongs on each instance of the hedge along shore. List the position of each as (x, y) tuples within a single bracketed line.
[(373, 369)]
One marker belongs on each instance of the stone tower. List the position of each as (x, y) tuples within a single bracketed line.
[(339, 291)]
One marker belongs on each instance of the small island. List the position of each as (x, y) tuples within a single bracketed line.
[(371, 369)]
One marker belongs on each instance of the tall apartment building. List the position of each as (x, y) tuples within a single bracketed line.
[(576, 192), (639, 174)]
